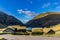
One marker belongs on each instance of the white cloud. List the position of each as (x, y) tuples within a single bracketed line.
[(20, 11), (27, 13), (46, 5)]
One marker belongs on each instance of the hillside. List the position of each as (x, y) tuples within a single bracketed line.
[(6, 20), (47, 19)]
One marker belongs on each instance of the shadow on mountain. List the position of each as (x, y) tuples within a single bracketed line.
[(7, 20), (47, 21)]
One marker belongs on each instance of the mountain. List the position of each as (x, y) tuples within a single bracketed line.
[(47, 19), (6, 20)]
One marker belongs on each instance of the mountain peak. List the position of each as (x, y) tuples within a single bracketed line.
[(45, 14), (47, 19), (7, 20)]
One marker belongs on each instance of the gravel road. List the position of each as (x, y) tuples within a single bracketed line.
[(19, 37)]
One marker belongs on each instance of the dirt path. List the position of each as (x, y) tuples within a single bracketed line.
[(18, 37)]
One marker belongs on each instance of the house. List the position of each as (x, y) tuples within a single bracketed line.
[(8, 30), (18, 28), (51, 32), (37, 31)]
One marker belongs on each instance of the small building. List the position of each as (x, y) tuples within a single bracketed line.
[(51, 32), (37, 31), (8, 30), (18, 28)]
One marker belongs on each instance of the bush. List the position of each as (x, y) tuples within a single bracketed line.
[(3, 39)]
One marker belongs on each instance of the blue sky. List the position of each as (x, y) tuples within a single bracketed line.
[(25, 10)]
